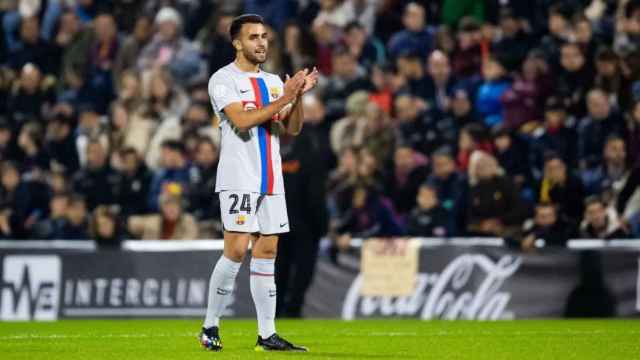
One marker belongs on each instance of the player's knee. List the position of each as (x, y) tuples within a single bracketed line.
[(236, 254), (266, 253)]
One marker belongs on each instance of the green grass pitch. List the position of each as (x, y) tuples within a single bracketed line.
[(327, 339)]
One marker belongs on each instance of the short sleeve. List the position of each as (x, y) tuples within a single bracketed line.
[(222, 91)]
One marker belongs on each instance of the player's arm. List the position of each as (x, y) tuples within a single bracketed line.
[(243, 119), (294, 120)]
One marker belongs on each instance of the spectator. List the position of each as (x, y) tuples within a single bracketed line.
[(204, 203), (494, 86), (51, 227), (614, 168), (32, 49), (594, 129), (559, 28), (97, 181), (369, 215), (547, 225), (633, 132), (574, 78), (379, 135), (316, 126), (366, 50), (416, 37), (349, 131), (165, 100), (429, 218), (129, 129), (133, 44), (90, 128), (466, 60), (523, 101), (169, 48), (472, 137), (31, 96), (600, 222), (33, 158), (610, 77), (416, 127), (135, 183), (60, 145), (173, 173), (299, 48), (8, 148), (511, 153), (446, 180), (216, 43), (347, 78), (514, 43), (410, 171), (440, 84), (560, 187), (104, 228), (172, 223), (76, 224), (554, 136), (493, 205)]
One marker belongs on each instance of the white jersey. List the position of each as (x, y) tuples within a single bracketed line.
[(249, 160)]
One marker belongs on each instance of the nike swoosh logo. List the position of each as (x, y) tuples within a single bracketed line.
[(244, 91), (283, 225), (272, 293)]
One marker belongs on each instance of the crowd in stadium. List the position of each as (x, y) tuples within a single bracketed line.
[(437, 118)]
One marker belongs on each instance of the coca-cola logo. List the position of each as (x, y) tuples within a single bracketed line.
[(446, 295)]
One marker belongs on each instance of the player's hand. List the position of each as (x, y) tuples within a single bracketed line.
[(310, 80), (293, 86)]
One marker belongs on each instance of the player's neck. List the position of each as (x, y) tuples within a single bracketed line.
[(245, 65)]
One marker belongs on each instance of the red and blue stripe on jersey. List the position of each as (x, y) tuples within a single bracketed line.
[(264, 137)]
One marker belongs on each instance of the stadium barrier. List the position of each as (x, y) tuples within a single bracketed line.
[(477, 279)]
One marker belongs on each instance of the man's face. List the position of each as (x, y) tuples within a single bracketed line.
[(170, 210), (59, 206), (615, 152), (105, 27), (404, 158), (130, 162), (596, 215), (168, 30), (254, 42), (96, 157), (443, 166), (142, 30), (583, 32), (105, 226), (414, 17), (344, 65), (571, 58), (29, 30), (427, 198), (206, 154), (77, 212), (554, 118), (10, 179), (405, 109), (598, 105), (545, 216), (439, 67), (555, 170), (5, 136)]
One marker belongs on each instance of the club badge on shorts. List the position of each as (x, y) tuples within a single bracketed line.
[(240, 219)]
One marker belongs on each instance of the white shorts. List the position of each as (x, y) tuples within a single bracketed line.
[(249, 212)]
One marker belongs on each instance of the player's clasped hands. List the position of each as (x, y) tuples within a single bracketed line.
[(301, 83)]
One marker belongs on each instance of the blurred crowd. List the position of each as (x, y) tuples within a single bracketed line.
[(438, 118)]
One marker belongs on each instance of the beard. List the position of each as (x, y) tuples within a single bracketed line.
[(255, 58)]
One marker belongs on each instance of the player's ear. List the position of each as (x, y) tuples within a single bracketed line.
[(237, 44)]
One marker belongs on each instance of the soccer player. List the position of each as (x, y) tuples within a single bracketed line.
[(254, 107)]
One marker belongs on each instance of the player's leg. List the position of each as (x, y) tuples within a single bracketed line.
[(272, 220), (238, 229)]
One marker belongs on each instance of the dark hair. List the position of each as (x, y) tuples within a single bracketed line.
[(355, 24), (174, 145), (593, 199), (236, 24), (606, 54)]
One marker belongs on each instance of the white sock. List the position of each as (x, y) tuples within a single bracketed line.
[(263, 291), (221, 285)]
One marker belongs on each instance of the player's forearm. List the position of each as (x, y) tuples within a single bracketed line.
[(295, 119), (248, 119)]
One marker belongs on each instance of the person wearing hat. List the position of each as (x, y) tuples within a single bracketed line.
[(171, 49)]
